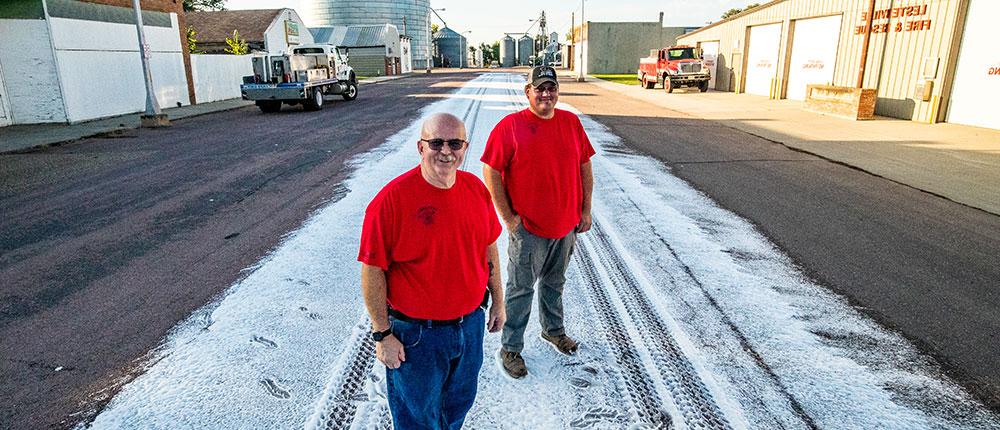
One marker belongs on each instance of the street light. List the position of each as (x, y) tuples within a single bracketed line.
[(153, 117), (465, 49), (427, 62), (583, 21)]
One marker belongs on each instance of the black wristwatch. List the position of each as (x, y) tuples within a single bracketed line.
[(378, 336)]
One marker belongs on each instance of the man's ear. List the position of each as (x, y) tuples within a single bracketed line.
[(420, 148)]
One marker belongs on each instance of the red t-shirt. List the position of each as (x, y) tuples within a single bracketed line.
[(432, 243), (540, 160)]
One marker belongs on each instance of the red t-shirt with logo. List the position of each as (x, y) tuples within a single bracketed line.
[(539, 160), (432, 243)]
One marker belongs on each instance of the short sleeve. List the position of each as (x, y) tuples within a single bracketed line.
[(499, 146), (377, 236), (586, 149)]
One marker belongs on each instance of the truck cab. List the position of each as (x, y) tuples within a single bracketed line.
[(675, 66)]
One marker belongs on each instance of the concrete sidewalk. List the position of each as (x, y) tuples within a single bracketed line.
[(957, 162), (17, 138)]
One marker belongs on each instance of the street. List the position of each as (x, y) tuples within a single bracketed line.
[(205, 276)]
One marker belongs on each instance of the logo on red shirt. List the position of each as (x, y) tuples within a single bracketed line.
[(426, 214)]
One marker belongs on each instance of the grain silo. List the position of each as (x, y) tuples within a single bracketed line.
[(411, 18), (451, 48), (525, 50), (508, 52)]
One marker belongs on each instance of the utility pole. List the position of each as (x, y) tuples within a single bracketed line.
[(153, 117), (572, 37), (428, 61), (583, 21)]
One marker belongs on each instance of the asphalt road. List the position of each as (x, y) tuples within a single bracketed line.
[(106, 243), (917, 263)]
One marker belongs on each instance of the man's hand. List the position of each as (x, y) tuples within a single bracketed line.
[(585, 221), (497, 317), (390, 352), (512, 223)]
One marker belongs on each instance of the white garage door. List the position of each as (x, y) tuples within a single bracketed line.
[(814, 52), (762, 58), (710, 54), (977, 77)]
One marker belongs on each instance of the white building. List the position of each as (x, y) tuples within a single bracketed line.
[(71, 61)]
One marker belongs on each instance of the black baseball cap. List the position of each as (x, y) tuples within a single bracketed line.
[(543, 74)]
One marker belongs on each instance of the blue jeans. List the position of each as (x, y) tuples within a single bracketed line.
[(436, 385)]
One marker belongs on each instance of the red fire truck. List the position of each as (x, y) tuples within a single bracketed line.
[(676, 66)]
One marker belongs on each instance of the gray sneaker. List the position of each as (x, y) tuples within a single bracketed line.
[(513, 364), (562, 343)]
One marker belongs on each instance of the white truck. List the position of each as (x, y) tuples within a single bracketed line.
[(302, 77)]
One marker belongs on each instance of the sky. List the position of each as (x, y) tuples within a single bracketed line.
[(489, 24)]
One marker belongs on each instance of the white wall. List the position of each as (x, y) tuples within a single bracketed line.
[(218, 77), (101, 70), (274, 36), (29, 69)]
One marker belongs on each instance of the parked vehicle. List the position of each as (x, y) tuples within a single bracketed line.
[(676, 66), (304, 77)]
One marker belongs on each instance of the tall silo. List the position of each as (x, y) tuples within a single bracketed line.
[(525, 49), (508, 52), (451, 47), (411, 17)]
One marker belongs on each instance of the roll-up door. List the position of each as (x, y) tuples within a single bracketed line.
[(814, 52), (710, 55), (977, 76), (762, 58)]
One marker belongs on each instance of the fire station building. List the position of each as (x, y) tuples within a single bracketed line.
[(923, 60)]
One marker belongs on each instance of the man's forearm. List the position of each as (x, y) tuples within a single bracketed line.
[(494, 183), (374, 289), (494, 283), (587, 180)]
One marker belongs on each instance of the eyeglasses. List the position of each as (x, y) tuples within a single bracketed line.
[(552, 89), (438, 144)]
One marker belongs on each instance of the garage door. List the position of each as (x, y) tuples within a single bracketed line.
[(762, 58), (710, 55), (814, 52), (977, 77)]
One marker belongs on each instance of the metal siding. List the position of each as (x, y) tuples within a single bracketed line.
[(894, 59)]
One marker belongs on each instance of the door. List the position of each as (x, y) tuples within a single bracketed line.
[(977, 75), (814, 53), (762, 58), (710, 56)]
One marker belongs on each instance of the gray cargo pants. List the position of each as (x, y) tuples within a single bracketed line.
[(535, 258)]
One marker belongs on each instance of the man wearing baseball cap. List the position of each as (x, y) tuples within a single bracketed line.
[(537, 168)]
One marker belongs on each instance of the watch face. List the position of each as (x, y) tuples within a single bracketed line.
[(377, 336)]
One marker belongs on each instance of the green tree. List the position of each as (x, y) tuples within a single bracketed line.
[(737, 10), (237, 46), (190, 5), (192, 41)]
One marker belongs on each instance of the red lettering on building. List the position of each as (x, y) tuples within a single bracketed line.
[(994, 71)]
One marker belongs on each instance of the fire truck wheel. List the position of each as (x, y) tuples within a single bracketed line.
[(648, 85), (703, 86), (667, 85)]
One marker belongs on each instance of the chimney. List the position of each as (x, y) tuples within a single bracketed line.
[(661, 19)]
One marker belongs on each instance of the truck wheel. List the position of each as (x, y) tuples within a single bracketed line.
[(667, 85), (269, 106), (315, 102), (646, 84), (703, 86), (352, 91)]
